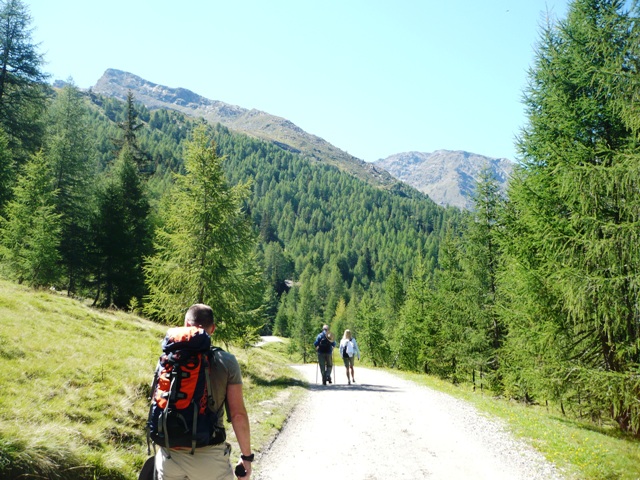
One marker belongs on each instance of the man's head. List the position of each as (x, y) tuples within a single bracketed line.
[(200, 315), (325, 328)]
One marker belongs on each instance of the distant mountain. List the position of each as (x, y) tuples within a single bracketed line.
[(281, 132), (448, 177)]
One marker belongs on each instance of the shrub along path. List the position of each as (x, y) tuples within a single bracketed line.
[(385, 427)]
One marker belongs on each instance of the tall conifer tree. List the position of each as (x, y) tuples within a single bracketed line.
[(122, 233), (7, 170), (22, 82), (70, 154), (204, 250), (30, 231), (575, 198)]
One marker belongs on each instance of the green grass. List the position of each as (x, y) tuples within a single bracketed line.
[(74, 386), (581, 450)]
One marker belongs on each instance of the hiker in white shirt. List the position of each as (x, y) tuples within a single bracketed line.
[(348, 351)]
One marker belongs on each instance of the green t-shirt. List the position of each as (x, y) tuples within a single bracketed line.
[(225, 371)]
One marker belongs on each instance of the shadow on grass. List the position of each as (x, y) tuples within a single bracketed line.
[(281, 381), (609, 429)]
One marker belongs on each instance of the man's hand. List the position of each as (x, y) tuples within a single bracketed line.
[(243, 469), (240, 422)]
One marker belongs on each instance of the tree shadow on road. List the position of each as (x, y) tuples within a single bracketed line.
[(285, 381), (358, 387)]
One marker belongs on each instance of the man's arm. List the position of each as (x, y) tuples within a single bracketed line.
[(240, 421)]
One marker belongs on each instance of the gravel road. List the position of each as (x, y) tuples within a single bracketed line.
[(386, 428)]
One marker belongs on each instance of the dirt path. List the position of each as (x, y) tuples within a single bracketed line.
[(386, 428)]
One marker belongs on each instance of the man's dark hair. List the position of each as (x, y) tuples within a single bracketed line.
[(199, 315)]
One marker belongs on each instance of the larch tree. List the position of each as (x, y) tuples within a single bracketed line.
[(71, 156), (30, 230), (23, 90), (409, 341), (307, 321), (204, 250), (7, 170), (484, 331), (575, 201), (369, 328)]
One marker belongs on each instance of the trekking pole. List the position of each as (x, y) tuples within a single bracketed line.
[(317, 368)]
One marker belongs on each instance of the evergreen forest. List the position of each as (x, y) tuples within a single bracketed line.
[(533, 295)]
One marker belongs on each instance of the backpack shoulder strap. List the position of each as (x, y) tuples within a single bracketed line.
[(226, 404), (207, 371), (154, 384)]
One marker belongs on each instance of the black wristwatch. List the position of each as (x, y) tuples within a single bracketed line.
[(247, 458)]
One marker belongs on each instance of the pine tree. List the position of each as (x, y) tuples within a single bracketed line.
[(204, 250), (277, 267), (70, 153), (122, 234), (335, 292), (22, 82), (270, 303), (286, 313), (7, 171), (30, 231), (130, 127)]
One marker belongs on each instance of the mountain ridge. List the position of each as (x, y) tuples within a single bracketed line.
[(447, 177), (256, 123)]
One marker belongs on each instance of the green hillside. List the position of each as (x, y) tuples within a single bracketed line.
[(75, 383)]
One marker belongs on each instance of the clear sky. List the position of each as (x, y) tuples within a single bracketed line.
[(372, 77)]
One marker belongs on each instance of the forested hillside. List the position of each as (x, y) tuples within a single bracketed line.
[(308, 216), (255, 123), (534, 295)]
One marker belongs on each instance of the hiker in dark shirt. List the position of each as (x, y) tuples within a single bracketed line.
[(324, 346)]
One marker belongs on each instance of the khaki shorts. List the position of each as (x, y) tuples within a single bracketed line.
[(349, 362), (211, 462)]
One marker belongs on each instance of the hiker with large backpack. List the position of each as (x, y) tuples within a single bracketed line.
[(324, 346), (193, 386), (348, 351)]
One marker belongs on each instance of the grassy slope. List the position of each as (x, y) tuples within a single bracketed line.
[(74, 383)]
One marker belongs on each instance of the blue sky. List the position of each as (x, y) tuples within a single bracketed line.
[(372, 77)]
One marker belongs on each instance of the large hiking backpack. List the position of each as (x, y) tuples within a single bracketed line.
[(324, 345), (182, 412)]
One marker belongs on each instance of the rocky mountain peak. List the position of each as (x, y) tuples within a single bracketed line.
[(448, 177)]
